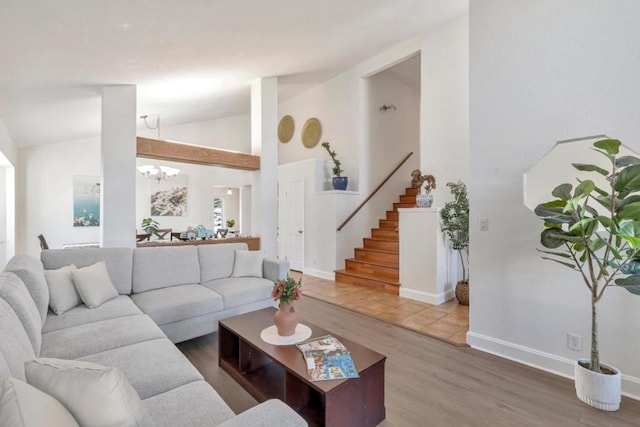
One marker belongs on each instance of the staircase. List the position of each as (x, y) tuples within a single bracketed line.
[(377, 263)]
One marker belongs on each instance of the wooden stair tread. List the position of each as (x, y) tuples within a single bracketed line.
[(368, 277), (384, 234), (382, 251), (376, 263)]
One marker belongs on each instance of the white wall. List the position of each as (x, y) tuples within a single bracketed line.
[(201, 181), (45, 193), (445, 105), (8, 164), (391, 135), (7, 147), (45, 181), (349, 114), (324, 210), (228, 133), (541, 72)]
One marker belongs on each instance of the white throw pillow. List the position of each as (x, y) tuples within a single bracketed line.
[(95, 395), (62, 292), (22, 405), (248, 264), (94, 284)]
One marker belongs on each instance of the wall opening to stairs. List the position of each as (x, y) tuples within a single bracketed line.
[(392, 130)]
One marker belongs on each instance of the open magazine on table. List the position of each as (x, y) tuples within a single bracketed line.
[(327, 359)]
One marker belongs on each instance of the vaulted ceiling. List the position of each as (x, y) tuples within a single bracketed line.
[(191, 59)]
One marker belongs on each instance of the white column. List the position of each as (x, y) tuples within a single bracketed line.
[(264, 143), (118, 167)]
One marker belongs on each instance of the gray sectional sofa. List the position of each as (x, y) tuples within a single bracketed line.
[(166, 295)]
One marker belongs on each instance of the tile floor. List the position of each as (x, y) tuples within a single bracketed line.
[(448, 321)]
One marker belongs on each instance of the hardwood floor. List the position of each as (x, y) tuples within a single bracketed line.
[(432, 383), (448, 321)]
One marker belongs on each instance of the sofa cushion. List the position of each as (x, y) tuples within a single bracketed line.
[(15, 345), (236, 291), (90, 338), (216, 261), (63, 295), (118, 260), (4, 368), (155, 268), (264, 414), (248, 264), (117, 307), (23, 405), (13, 291), (30, 270), (176, 303), (94, 285), (96, 395), (152, 367), (193, 404)]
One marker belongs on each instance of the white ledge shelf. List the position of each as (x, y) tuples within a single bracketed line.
[(328, 192)]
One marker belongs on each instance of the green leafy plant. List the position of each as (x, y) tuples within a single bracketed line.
[(455, 223), (418, 179), (597, 230), (149, 225), (337, 170), (230, 223), (287, 290)]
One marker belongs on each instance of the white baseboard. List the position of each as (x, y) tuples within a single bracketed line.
[(540, 360), (435, 299), (328, 275)]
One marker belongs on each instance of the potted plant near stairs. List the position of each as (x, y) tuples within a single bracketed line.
[(595, 231), (417, 180), (455, 223), (339, 182)]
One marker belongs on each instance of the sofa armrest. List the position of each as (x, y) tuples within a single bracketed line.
[(274, 269), (267, 414)]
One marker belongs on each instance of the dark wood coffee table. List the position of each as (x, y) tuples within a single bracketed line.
[(267, 371)]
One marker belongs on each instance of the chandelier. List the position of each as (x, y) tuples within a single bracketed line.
[(162, 173), (159, 173)]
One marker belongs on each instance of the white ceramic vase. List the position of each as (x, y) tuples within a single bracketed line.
[(424, 200), (602, 391)]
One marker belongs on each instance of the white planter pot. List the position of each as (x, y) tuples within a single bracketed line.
[(601, 391), (424, 200)]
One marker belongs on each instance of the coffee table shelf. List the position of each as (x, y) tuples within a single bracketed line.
[(267, 371)]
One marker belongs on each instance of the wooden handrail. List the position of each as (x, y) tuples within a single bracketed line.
[(374, 192)]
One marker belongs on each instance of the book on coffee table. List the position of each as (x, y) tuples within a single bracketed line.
[(327, 359)]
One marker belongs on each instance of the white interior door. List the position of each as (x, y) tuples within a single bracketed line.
[(294, 224)]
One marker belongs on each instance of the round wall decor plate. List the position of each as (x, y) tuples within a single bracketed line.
[(311, 132), (285, 129)]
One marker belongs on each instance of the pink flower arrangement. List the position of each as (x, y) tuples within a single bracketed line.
[(287, 290)]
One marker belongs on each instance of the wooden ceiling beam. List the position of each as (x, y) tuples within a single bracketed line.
[(150, 148)]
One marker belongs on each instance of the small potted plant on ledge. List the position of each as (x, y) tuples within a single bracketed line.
[(595, 232), (417, 181), (149, 225), (286, 292), (339, 182), (455, 223), (230, 224)]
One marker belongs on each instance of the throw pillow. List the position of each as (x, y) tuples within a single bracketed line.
[(22, 405), (62, 293), (248, 264), (95, 395), (94, 284)]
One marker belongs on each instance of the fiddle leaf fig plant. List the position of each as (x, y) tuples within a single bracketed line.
[(595, 230), (455, 223)]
